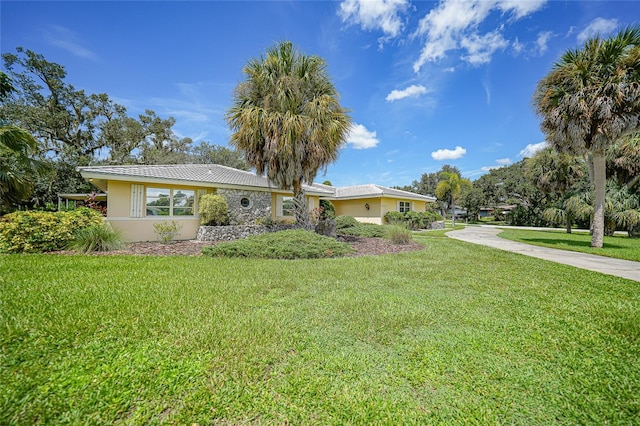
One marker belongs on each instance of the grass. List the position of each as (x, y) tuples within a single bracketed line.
[(621, 247), (454, 334)]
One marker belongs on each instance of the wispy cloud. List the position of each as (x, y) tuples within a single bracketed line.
[(414, 90), (383, 15), (531, 149), (453, 25), (66, 39), (542, 41), (361, 138), (480, 49), (598, 26), (500, 162), (448, 154)]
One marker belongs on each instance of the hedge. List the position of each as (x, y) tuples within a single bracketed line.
[(40, 231)]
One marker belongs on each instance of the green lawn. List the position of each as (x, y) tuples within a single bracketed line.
[(621, 247), (454, 334)]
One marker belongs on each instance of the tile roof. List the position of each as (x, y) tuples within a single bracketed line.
[(373, 190), (195, 173), (216, 174)]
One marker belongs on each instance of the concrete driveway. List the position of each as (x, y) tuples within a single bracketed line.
[(487, 236)]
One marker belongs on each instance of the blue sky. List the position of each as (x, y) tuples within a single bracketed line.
[(427, 83)]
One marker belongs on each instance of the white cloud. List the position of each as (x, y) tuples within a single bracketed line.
[(531, 149), (501, 162), (448, 154), (411, 91), (381, 15), (66, 39), (450, 69), (361, 138), (481, 48), (453, 25), (598, 26), (542, 41)]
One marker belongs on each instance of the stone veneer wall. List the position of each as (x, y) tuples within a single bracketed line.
[(235, 232), (259, 206)]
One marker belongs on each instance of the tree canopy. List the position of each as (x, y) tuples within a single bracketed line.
[(287, 120), (589, 101), (73, 128)]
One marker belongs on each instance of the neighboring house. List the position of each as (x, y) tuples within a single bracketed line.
[(369, 203), (140, 196), (490, 211)]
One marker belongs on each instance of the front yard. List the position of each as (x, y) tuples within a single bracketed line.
[(452, 334)]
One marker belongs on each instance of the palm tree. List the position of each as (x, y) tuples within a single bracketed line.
[(589, 100), (18, 169), (451, 185), (555, 173), (287, 120)]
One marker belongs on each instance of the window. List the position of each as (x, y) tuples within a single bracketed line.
[(245, 202), (170, 202), (287, 206), (404, 206)]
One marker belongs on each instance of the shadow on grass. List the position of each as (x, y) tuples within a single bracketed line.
[(568, 243)]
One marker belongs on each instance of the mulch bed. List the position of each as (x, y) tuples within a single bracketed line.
[(362, 246)]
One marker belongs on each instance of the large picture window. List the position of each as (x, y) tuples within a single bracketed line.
[(169, 202)]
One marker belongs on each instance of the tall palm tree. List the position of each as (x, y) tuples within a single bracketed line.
[(589, 100), (451, 185), (287, 120)]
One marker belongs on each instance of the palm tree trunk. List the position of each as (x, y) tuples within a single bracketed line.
[(453, 212), (600, 182), (300, 207)]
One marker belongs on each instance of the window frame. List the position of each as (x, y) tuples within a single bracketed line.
[(172, 206), (404, 206)]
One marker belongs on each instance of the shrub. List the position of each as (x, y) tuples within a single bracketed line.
[(40, 231), (398, 234), (366, 230), (96, 238), (394, 218), (214, 210), (414, 220), (290, 244), (166, 231), (343, 222), (328, 210)]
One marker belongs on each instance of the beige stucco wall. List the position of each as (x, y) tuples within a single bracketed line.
[(378, 207), (141, 229)]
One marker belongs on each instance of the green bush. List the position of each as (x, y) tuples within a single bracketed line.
[(398, 234), (394, 218), (166, 231), (96, 238), (40, 231), (290, 244), (328, 210), (214, 210), (414, 220), (366, 230), (343, 222)]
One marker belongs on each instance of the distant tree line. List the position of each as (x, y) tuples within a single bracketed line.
[(62, 127)]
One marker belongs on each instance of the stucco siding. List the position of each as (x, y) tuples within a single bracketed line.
[(141, 229), (357, 208)]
